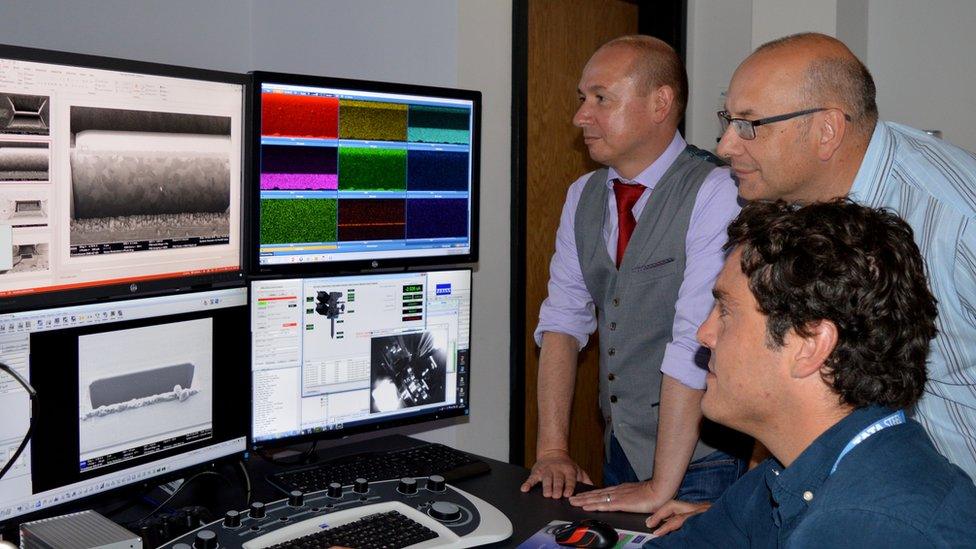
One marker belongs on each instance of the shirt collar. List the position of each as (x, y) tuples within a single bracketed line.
[(877, 161), (653, 173), (794, 488)]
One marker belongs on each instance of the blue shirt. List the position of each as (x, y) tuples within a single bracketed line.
[(931, 184), (891, 490)]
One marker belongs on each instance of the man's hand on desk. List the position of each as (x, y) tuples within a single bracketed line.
[(558, 474), (632, 497), (673, 514)]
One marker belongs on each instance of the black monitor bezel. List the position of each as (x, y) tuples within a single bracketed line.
[(39, 298), (397, 421), (253, 202)]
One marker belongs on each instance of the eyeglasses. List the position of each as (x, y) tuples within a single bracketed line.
[(746, 129)]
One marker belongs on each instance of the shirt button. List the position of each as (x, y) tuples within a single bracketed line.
[(611, 377), (616, 302), (613, 399), (808, 496), (612, 351), (613, 326)]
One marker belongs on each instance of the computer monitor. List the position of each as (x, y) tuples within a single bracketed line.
[(117, 178), (126, 391), (353, 174), (339, 355)]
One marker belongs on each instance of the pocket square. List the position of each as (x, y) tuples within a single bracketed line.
[(649, 266)]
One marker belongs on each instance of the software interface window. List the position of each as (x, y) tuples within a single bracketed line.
[(129, 390), (110, 176), (331, 353), (357, 175)]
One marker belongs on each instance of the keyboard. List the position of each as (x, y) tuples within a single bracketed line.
[(414, 513), (390, 530), (418, 461)]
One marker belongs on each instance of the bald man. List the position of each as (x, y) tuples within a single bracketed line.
[(638, 246), (802, 124)]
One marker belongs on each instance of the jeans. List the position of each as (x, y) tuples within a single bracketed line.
[(706, 479)]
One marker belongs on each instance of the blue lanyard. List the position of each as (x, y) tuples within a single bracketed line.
[(896, 418)]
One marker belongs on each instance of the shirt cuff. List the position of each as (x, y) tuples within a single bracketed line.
[(688, 367)]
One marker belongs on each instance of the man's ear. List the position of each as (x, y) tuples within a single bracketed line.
[(811, 350), (832, 128), (662, 99)]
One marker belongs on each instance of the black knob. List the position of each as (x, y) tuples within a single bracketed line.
[(257, 510), (361, 486), (435, 483), (296, 498), (444, 511), (205, 539), (407, 486), (232, 519), (334, 490)]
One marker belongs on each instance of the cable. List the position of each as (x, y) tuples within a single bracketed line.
[(32, 395), (180, 489), (247, 483)]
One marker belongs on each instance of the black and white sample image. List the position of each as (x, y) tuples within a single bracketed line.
[(144, 389), (24, 114), (141, 177), (408, 370), (24, 161), (29, 256), (21, 206)]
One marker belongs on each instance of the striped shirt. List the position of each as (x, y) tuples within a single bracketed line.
[(932, 185)]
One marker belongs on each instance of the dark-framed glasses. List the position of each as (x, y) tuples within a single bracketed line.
[(746, 129)]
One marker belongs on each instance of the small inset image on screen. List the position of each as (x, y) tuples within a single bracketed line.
[(408, 370)]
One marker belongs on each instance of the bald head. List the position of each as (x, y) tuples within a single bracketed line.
[(825, 73), (656, 64)]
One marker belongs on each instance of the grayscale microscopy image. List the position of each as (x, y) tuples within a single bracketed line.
[(148, 176), (29, 258), (24, 114), (23, 161)]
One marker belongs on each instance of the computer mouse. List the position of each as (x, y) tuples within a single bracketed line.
[(586, 533)]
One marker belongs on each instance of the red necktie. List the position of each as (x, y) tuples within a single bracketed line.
[(627, 195)]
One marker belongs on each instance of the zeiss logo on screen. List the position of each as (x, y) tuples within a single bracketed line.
[(443, 289)]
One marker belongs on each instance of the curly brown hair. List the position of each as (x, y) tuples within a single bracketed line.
[(855, 266)]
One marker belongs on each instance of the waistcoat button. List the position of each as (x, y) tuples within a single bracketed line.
[(613, 398)]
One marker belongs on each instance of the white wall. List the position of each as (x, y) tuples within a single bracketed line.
[(463, 43), (719, 38), (920, 53), (774, 18), (923, 58)]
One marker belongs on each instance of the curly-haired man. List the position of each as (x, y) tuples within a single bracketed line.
[(819, 335)]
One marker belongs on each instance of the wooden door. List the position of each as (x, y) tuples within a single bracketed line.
[(562, 35)]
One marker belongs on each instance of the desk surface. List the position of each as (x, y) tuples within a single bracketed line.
[(528, 512)]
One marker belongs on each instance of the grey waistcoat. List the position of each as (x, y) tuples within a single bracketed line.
[(635, 305)]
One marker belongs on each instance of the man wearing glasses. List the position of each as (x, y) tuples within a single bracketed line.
[(803, 126)]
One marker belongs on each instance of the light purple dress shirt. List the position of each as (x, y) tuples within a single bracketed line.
[(569, 309)]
